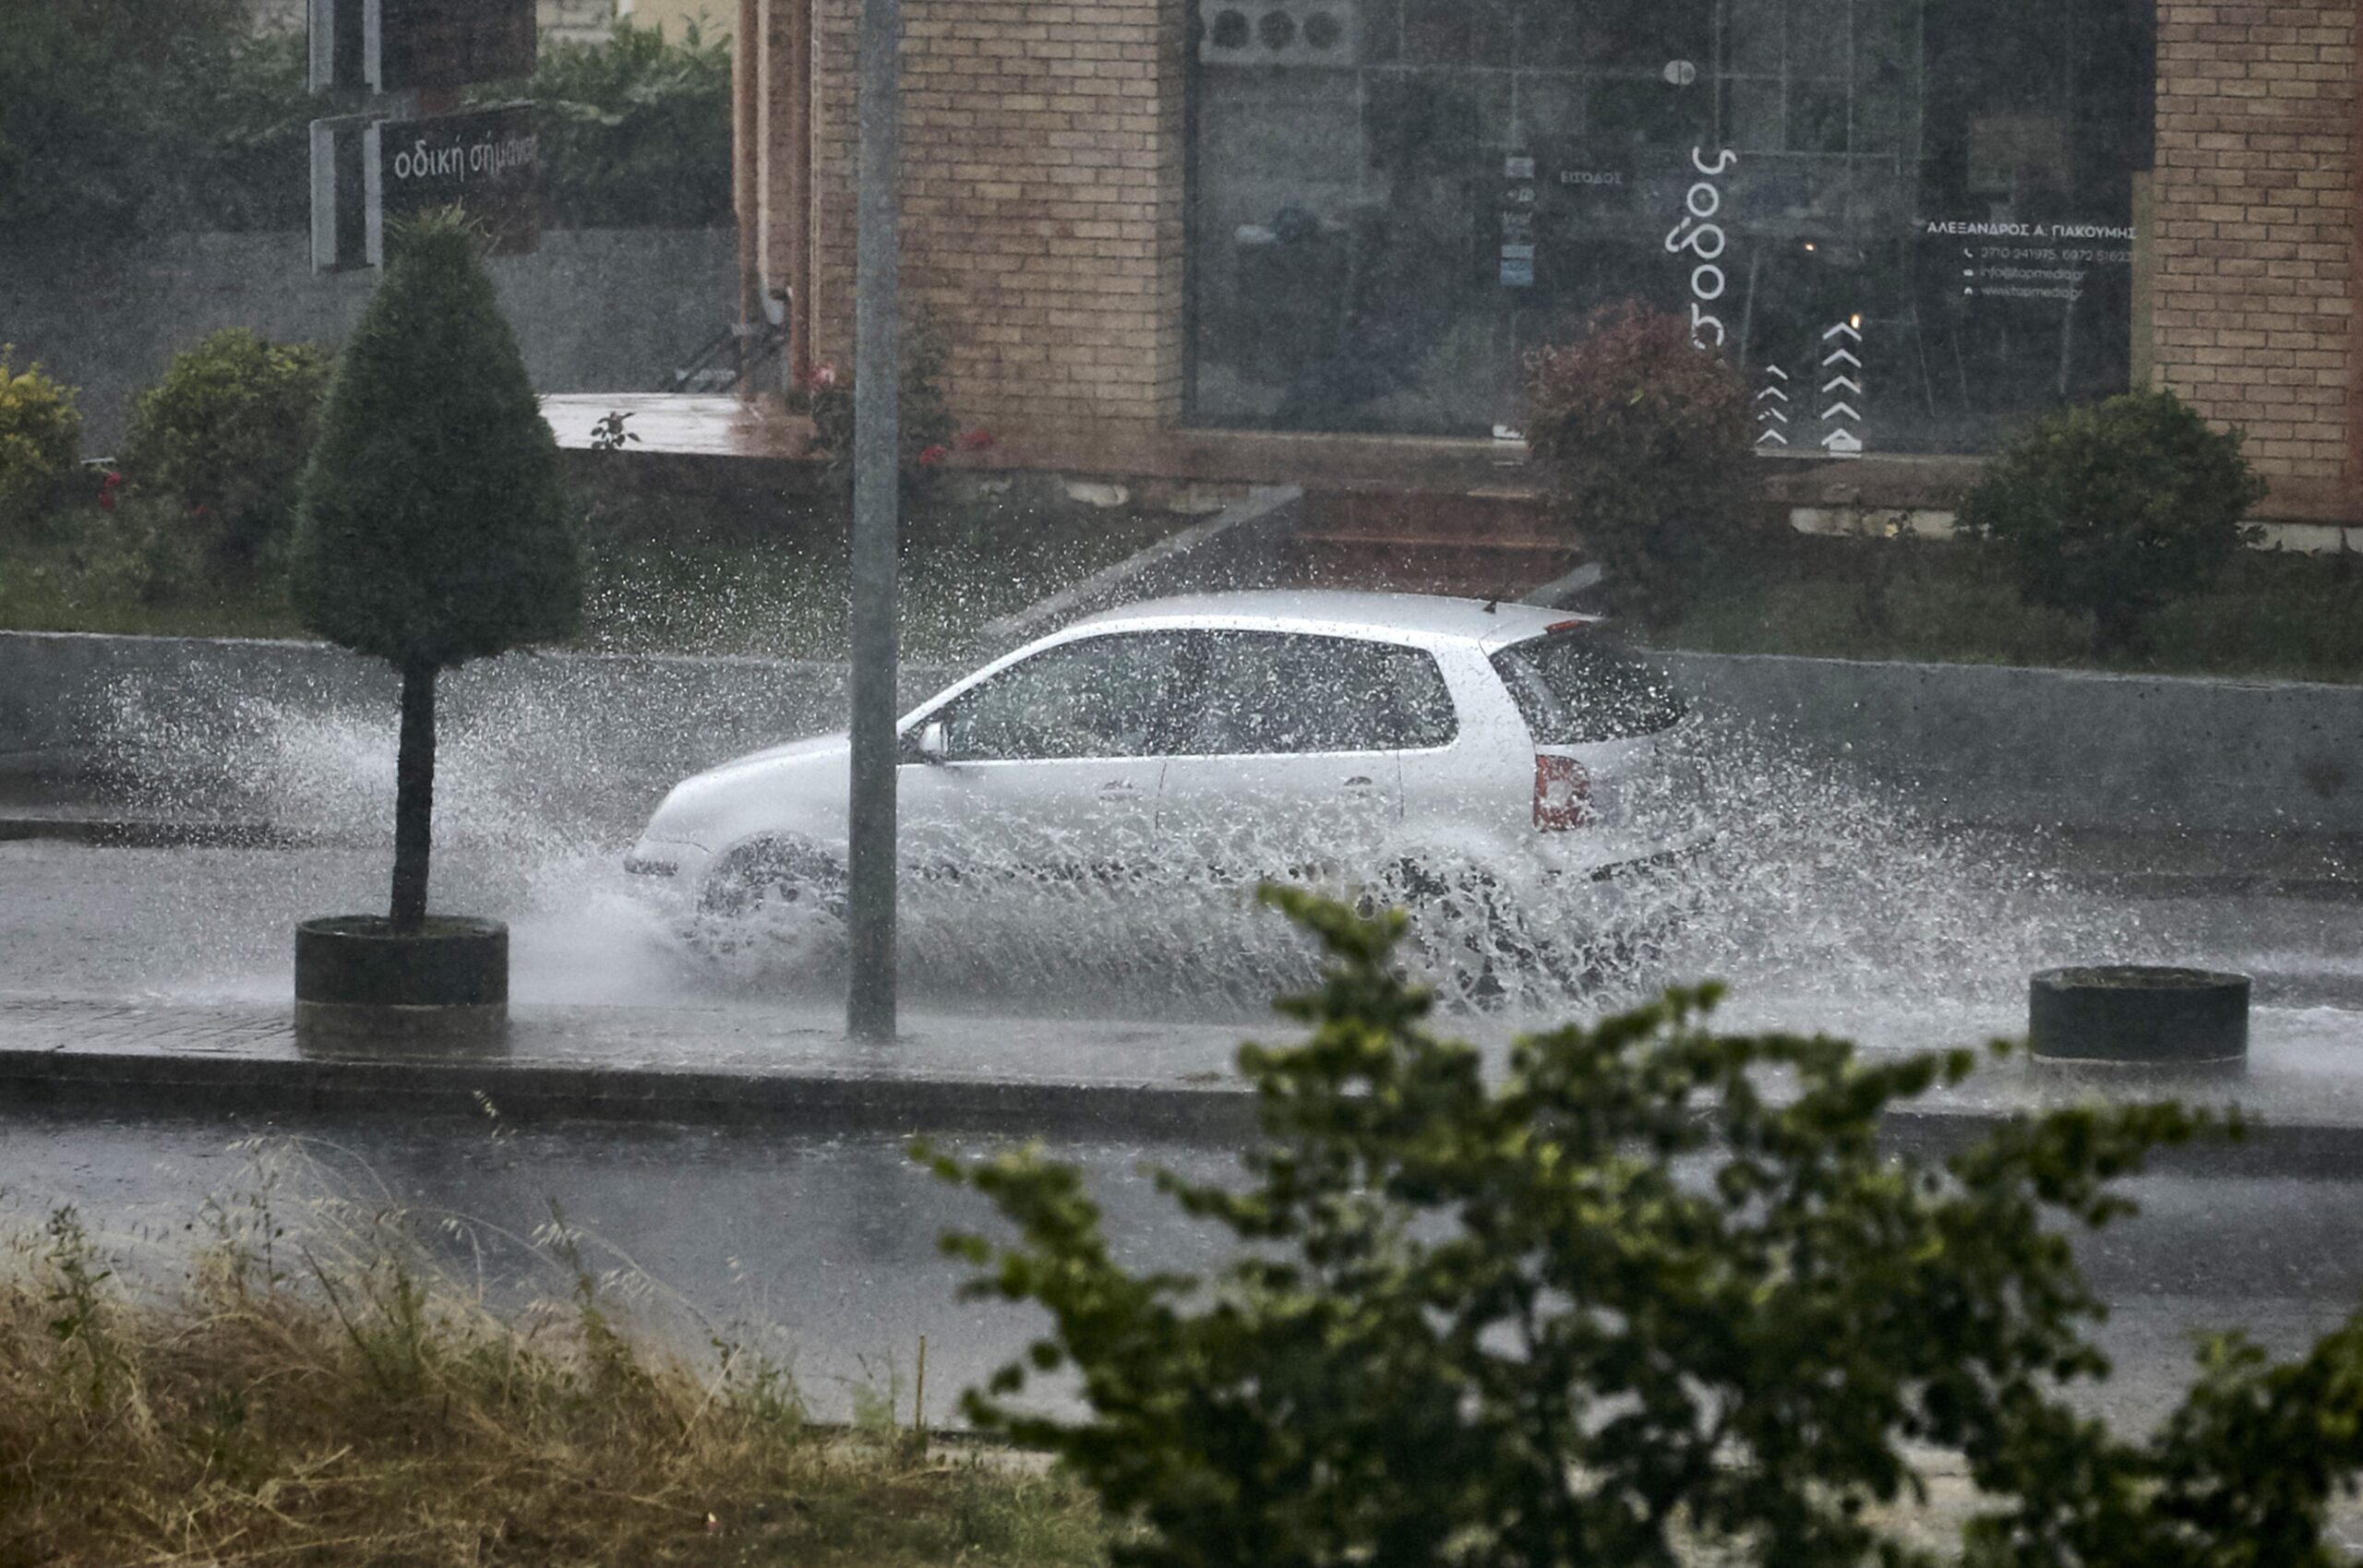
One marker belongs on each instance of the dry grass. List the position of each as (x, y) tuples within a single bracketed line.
[(315, 1390)]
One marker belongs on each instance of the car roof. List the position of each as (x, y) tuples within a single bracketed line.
[(1415, 617)]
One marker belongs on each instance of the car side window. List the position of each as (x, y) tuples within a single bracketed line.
[(1110, 696), (1423, 707), (1281, 692)]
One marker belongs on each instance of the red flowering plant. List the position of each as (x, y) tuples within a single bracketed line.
[(824, 391)]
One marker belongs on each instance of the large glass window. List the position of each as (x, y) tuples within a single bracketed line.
[(1913, 220)]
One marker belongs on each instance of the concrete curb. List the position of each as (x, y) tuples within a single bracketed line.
[(1217, 1115), (188, 1084)]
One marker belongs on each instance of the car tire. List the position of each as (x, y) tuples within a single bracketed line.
[(770, 873), (1459, 931), (774, 899)]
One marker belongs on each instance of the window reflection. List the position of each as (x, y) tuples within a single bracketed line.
[(1102, 697), (1204, 693), (1382, 231)]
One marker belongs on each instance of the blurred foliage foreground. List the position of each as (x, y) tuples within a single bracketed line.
[(1651, 1296)]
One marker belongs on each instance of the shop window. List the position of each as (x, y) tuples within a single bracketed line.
[(1923, 207)]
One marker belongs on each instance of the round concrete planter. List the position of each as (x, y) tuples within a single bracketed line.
[(358, 982), (2138, 1015)]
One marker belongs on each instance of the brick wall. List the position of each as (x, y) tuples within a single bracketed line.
[(2255, 224), (1042, 202)]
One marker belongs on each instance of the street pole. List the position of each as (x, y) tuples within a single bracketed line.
[(877, 384)]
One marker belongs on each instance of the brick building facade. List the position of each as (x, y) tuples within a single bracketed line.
[(2255, 212), (1067, 165)]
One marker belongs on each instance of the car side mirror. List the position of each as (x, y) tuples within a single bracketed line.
[(932, 747)]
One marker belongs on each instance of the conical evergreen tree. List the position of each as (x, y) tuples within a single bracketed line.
[(432, 528)]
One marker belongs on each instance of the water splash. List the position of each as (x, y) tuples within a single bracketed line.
[(1824, 901)]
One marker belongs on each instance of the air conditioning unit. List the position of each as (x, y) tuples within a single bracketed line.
[(1306, 32)]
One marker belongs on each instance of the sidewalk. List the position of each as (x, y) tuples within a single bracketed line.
[(780, 1069)]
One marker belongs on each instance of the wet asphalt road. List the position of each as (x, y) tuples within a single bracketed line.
[(823, 1252), (1895, 942), (824, 1249)]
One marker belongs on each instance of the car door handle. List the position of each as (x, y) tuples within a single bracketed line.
[(1360, 782), (1119, 786)]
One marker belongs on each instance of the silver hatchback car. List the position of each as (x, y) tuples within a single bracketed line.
[(1391, 743)]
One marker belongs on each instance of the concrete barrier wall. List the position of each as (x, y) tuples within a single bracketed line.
[(302, 734), (595, 310), (291, 729), (2015, 747)]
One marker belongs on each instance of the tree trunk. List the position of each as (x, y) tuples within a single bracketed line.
[(414, 796)]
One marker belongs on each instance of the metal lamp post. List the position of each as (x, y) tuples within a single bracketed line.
[(870, 866)]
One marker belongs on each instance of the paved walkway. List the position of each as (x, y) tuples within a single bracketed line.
[(773, 1065)]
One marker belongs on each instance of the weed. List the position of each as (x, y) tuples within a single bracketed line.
[(320, 1388)]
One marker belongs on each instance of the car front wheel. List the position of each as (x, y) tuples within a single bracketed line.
[(775, 899)]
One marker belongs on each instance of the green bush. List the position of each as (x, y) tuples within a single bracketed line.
[(1651, 1294), (434, 527), (2115, 509), (1644, 437), (224, 436), (40, 436)]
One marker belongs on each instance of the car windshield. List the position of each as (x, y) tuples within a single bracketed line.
[(1575, 690)]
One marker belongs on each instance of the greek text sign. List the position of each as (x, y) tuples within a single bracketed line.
[(2059, 261), (486, 161)]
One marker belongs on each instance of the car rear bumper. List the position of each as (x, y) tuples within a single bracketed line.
[(1648, 864)]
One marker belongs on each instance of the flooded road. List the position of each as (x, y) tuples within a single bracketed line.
[(1899, 939)]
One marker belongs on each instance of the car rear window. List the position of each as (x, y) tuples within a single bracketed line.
[(1575, 690)]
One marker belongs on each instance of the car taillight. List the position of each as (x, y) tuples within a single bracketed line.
[(1561, 795)]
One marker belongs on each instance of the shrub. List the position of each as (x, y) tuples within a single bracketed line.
[(40, 436), (1645, 441), (224, 436), (1624, 1298), (2114, 509), (924, 426), (433, 527)]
